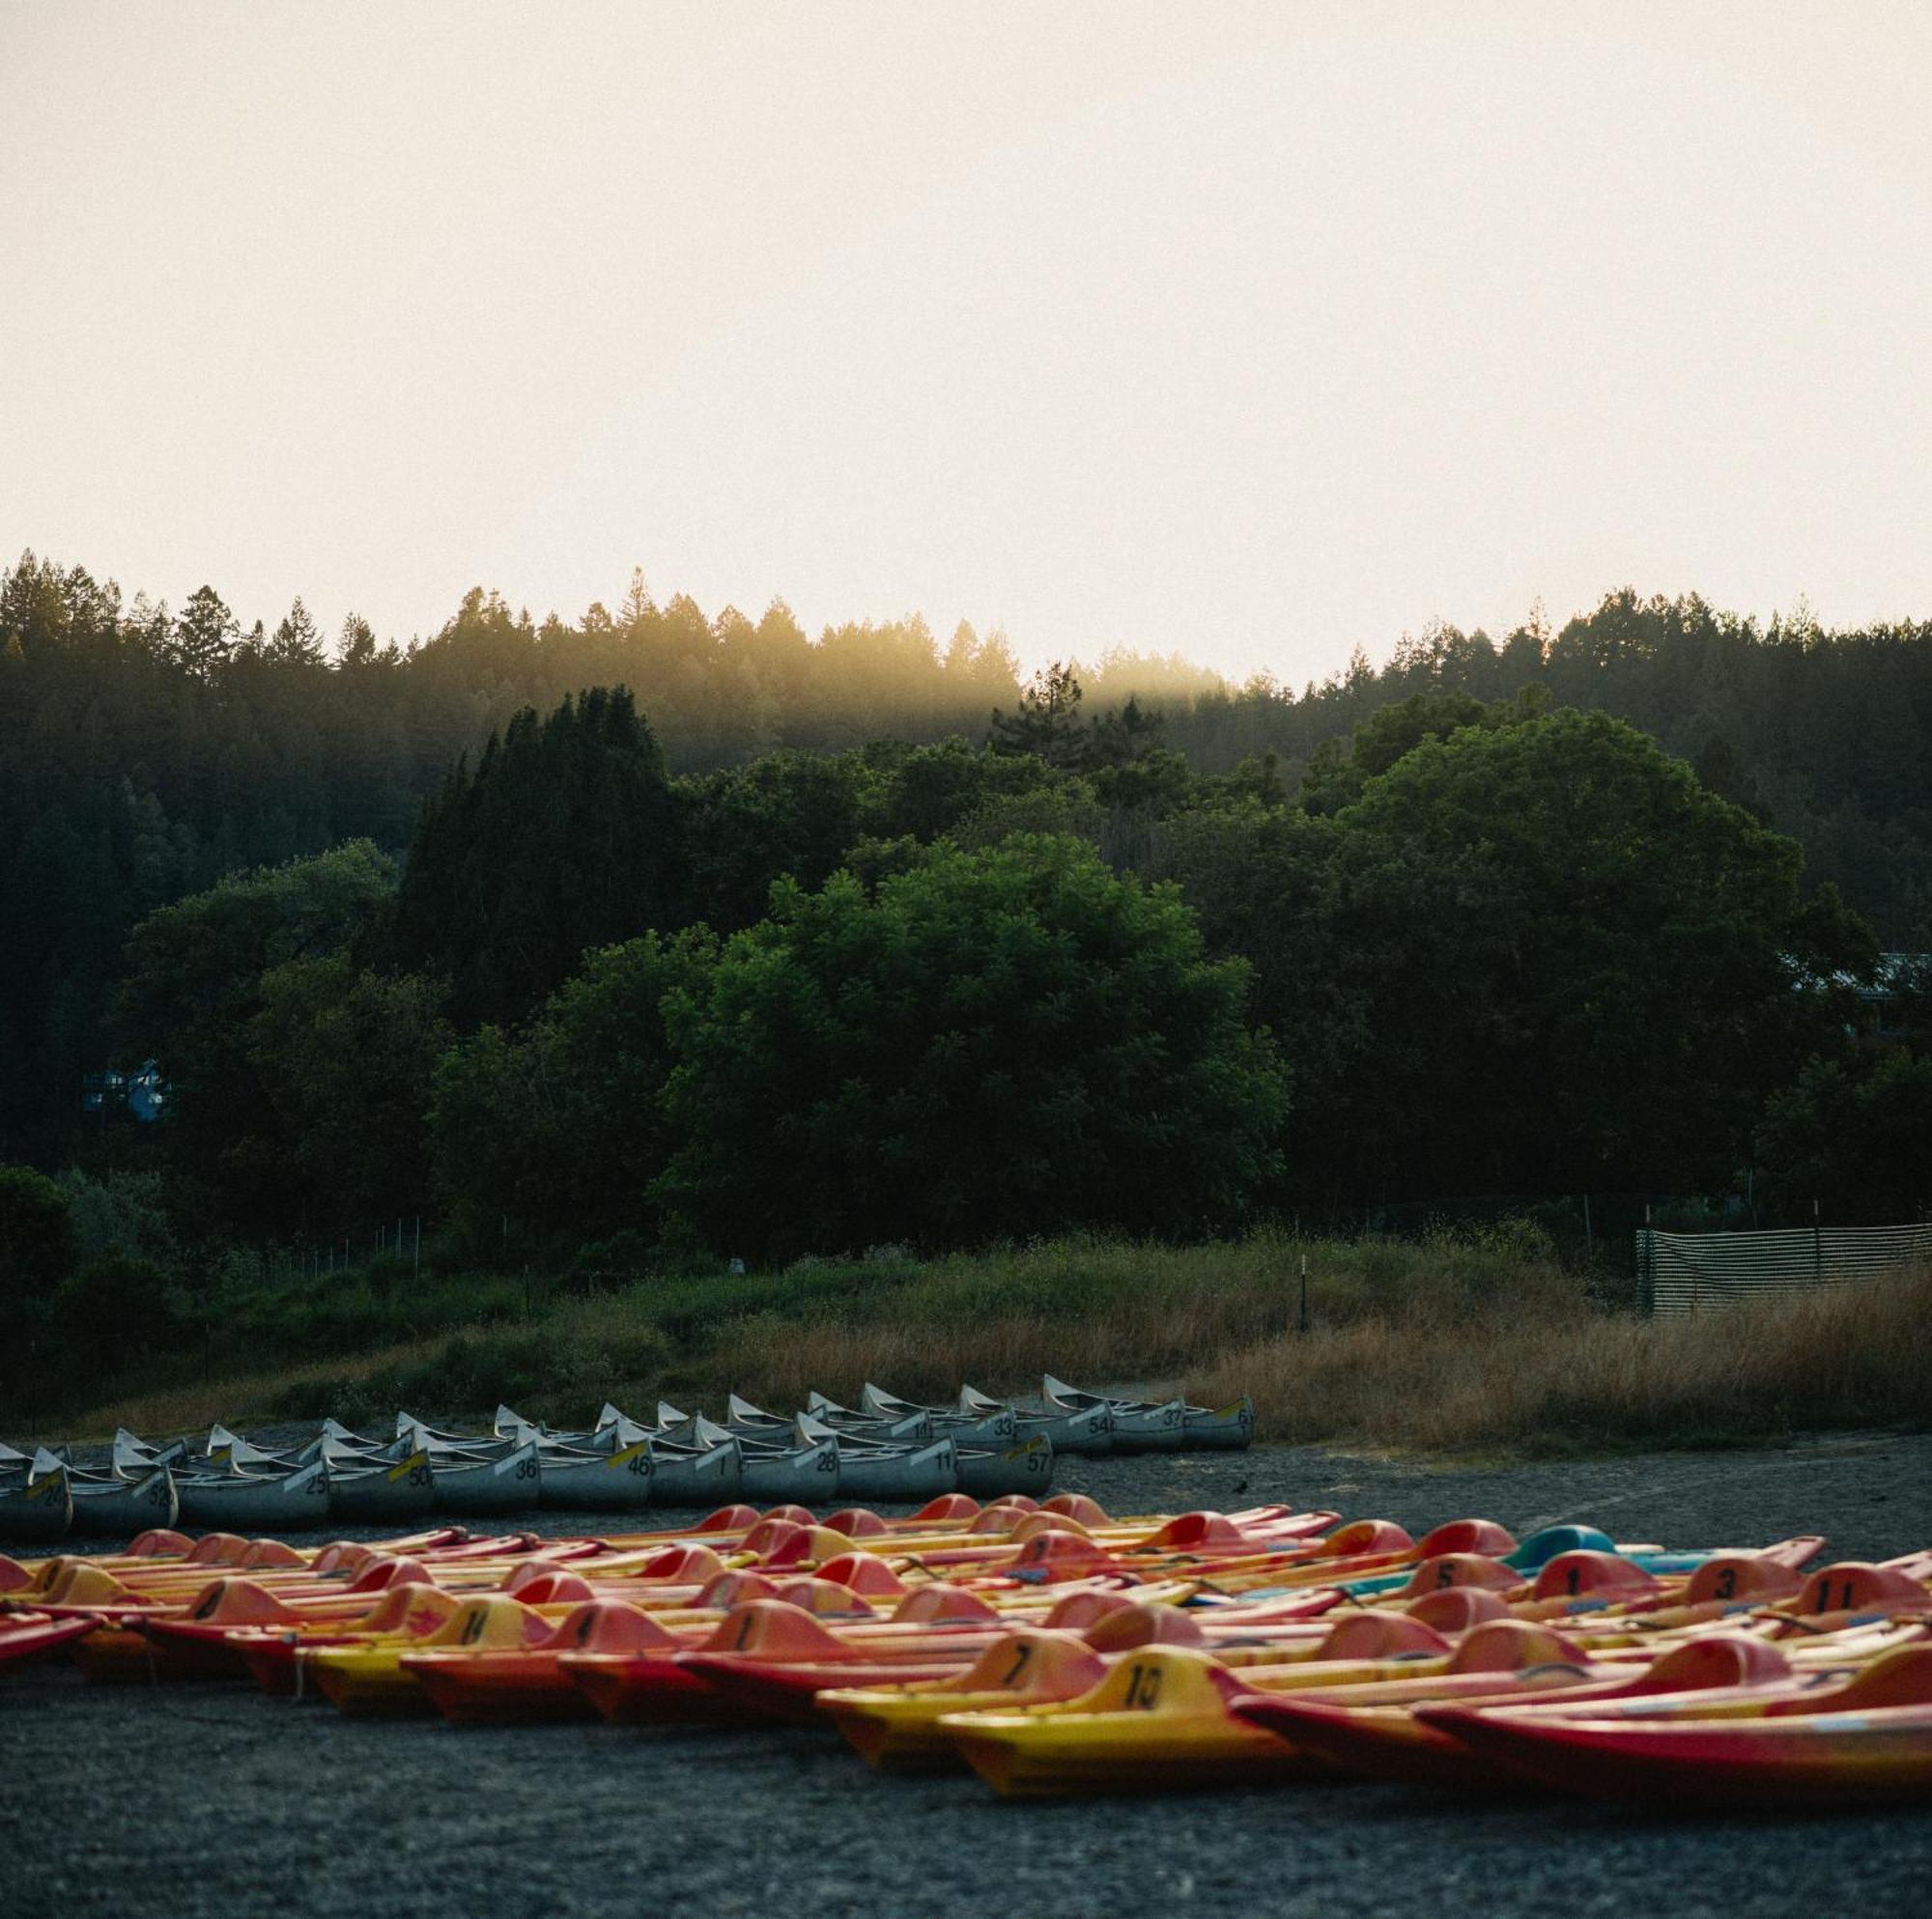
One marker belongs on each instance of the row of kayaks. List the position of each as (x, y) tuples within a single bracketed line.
[(1053, 1649), (885, 1450)]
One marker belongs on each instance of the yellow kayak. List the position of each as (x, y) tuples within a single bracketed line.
[(896, 1728), (370, 1678), (1159, 1719)]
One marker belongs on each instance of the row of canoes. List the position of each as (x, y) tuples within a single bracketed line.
[(1056, 1650), (885, 1450)]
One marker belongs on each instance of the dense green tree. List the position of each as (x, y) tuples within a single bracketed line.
[(1577, 965), (549, 1138), (36, 1249), (986, 1045), (564, 836), (344, 1058), (192, 991), (784, 814), (36, 1231), (1855, 1134)]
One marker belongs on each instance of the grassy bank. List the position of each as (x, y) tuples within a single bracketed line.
[(1453, 1345)]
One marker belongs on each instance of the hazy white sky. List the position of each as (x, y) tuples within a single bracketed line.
[(1251, 331)]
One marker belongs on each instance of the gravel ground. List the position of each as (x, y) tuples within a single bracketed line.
[(211, 1799)]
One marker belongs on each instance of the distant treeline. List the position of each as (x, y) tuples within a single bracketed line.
[(659, 930)]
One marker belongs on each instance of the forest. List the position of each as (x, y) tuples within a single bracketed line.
[(661, 936)]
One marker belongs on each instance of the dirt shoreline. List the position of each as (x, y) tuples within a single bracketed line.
[(205, 1801)]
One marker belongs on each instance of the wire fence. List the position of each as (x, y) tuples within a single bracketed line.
[(1701, 1272)]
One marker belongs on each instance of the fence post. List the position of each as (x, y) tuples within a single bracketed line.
[(1817, 1251), (1301, 1319)]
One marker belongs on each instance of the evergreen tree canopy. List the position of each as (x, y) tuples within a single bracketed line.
[(564, 836)]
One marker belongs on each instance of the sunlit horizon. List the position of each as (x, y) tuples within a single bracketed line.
[(1256, 334)]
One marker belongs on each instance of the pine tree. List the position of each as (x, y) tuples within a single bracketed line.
[(297, 640)]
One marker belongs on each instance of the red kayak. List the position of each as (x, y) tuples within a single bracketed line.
[(520, 1685), (29, 1636)]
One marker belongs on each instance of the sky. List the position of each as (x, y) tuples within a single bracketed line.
[(1255, 333)]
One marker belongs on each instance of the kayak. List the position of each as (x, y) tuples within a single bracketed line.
[(895, 1728), (1156, 1721), (29, 1636), (522, 1684), (1867, 1742), (1382, 1731), (363, 1680)]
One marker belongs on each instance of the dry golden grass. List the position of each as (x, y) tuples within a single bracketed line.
[(1451, 1347), (1858, 1356), (230, 1397)]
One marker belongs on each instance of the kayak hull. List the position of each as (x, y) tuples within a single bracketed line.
[(1830, 1760)]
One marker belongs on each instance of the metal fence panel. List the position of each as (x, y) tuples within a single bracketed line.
[(1690, 1272)]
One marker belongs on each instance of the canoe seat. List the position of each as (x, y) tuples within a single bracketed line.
[(1467, 1536), (218, 1549), (734, 1589), (556, 1586), (798, 1516), (1033, 1524), (824, 1597), (729, 1519), (1902, 1677), (1544, 1543), (770, 1531), (160, 1543), (683, 1566), (1750, 1578), (490, 1622), (1129, 1627), (382, 1571), (610, 1626), (1051, 1556), (1366, 1536), (856, 1522), (864, 1572), (1004, 1514), (232, 1601), (950, 1506), (1853, 1585), (927, 1605), (1445, 1570), (1452, 1610), (79, 1582), (1509, 1646), (1178, 1679), (1077, 1506), (800, 1546), (1034, 1664), (1716, 1659), (270, 1552), (411, 1607), (770, 1629), (1193, 1532), (12, 1574), (1592, 1574), (1078, 1611), (1381, 1635), (343, 1556)]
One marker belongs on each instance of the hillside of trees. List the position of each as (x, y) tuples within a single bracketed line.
[(611, 942)]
